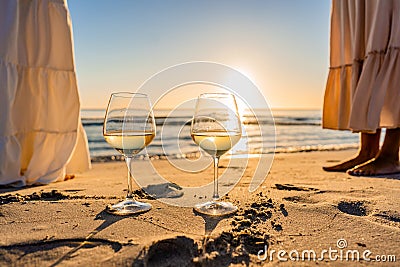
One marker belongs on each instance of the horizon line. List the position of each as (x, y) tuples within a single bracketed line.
[(258, 108)]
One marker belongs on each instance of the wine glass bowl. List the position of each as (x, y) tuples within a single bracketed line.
[(216, 128), (129, 126)]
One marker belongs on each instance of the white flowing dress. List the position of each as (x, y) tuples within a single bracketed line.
[(41, 137), (363, 87)]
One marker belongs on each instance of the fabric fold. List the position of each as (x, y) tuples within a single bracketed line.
[(40, 129), (363, 86)]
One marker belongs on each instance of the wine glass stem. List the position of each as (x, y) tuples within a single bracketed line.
[(215, 194), (128, 164)]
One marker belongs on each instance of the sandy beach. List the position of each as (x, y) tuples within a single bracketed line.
[(298, 208)]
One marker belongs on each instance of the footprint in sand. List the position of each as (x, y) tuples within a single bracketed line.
[(290, 187), (53, 251), (390, 218), (361, 208), (357, 208), (178, 251), (306, 199)]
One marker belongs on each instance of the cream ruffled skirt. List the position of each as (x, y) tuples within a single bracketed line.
[(41, 137), (363, 87)]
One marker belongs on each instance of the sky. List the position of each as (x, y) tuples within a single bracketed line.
[(282, 46)]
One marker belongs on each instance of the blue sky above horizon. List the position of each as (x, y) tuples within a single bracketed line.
[(281, 45)]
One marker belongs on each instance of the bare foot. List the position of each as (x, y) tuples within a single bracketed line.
[(369, 148), (378, 166), (349, 164)]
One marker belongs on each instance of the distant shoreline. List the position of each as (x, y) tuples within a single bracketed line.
[(284, 131), (117, 157)]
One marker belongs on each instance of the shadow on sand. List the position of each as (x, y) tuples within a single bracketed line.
[(184, 251), (29, 251)]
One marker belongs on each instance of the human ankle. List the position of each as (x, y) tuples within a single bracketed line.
[(368, 153), (389, 155)]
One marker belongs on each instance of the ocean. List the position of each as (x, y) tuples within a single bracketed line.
[(295, 131)]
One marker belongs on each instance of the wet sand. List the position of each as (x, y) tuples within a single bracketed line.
[(298, 208)]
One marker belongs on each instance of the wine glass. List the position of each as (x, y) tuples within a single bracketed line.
[(129, 126), (216, 128)]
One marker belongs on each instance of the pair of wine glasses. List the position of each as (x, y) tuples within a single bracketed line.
[(129, 126)]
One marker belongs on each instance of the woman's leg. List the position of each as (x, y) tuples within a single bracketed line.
[(387, 160), (369, 148)]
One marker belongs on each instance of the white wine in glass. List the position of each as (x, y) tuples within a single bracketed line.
[(216, 143), (130, 143), (129, 126), (216, 128)]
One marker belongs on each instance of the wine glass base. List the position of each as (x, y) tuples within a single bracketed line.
[(215, 208), (128, 207)]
